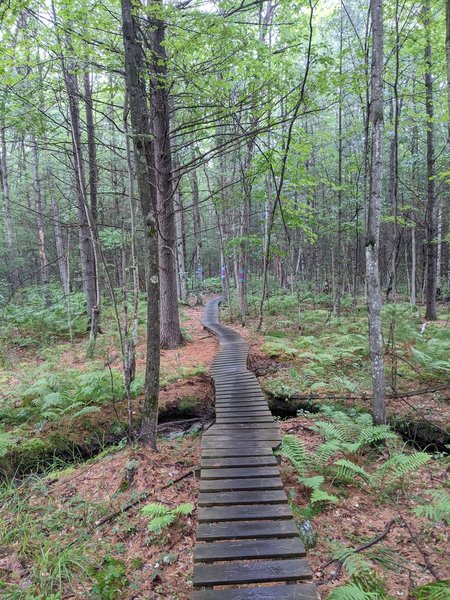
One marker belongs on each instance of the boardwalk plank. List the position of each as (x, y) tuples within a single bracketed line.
[(215, 514), (252, 572), (242, 497), (247, 549), (299, 591), (237, 472), (231, 530)]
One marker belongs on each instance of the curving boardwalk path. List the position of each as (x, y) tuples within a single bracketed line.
[(246, 533)]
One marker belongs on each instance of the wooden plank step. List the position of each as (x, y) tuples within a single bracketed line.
[(244, 426), (238, 444), (214, 514), (243, 410), (242, 497), (293, 569), (247, 549), (237, 472), (235, 443), (221, 485), (298, 591), (237, 451), (239, 461), (223, 440), (231, 530), (246, 419)]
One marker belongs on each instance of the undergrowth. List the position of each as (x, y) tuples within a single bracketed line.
[(356, 453)]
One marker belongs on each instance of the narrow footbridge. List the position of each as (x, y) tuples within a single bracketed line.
[(247, 541)]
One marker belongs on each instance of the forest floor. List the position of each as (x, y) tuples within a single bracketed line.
[(81, 530)]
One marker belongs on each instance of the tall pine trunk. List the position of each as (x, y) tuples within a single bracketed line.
[(374, 215), (145, 172), (431, 208), (12, 256), (170, 321)]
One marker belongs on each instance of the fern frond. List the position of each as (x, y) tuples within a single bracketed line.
[(7, 441), (324, 452), (322, 496), (375, 433), (185, 508), (87, 410), (400, 465), (347, 470), (439, 510), (432, 591), (154, 509), (157, 524), (294, 449), (313, 483), (351, 591), (329, 431)]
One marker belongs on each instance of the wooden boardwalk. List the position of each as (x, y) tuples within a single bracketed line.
[(246, 533)]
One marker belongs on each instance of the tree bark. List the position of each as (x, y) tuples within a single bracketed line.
[(198, 257), (14, 273), (373, 217), (431, 208), (60, 250), (146, 177), (170, 321), (44, 265), (86, 241)]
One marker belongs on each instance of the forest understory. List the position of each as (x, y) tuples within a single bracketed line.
[(74, 527)]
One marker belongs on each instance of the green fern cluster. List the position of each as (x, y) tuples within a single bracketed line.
[(71, 394), (438, 510), (162, 517), (347, 437), (7, 441)]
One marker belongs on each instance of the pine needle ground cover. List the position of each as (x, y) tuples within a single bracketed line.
[(85, 532), (304, 349), (350, 482), (54, 402)]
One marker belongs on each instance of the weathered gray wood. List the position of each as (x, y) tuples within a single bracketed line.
[(247, 549), (263, 483), (242, 497), (236, 472), (247, 529), (224, 427), (238, 461), (215, 514), (242, 450), (252, 572), (239, 442), (299, 591)]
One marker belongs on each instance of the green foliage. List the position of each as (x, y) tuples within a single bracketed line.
[(351, 591), (162, 516), (294, 449), (110, 579), (432, 591), (29, 321), (7, 441), (438, 509), (318, 496)]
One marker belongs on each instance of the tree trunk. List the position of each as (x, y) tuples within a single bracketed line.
[(14, 273), (87, 251), (170, 321), (60, 250), (430, 215), (198, 258), (146, 176), (373, 217), (181, 267), (44, 266)]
